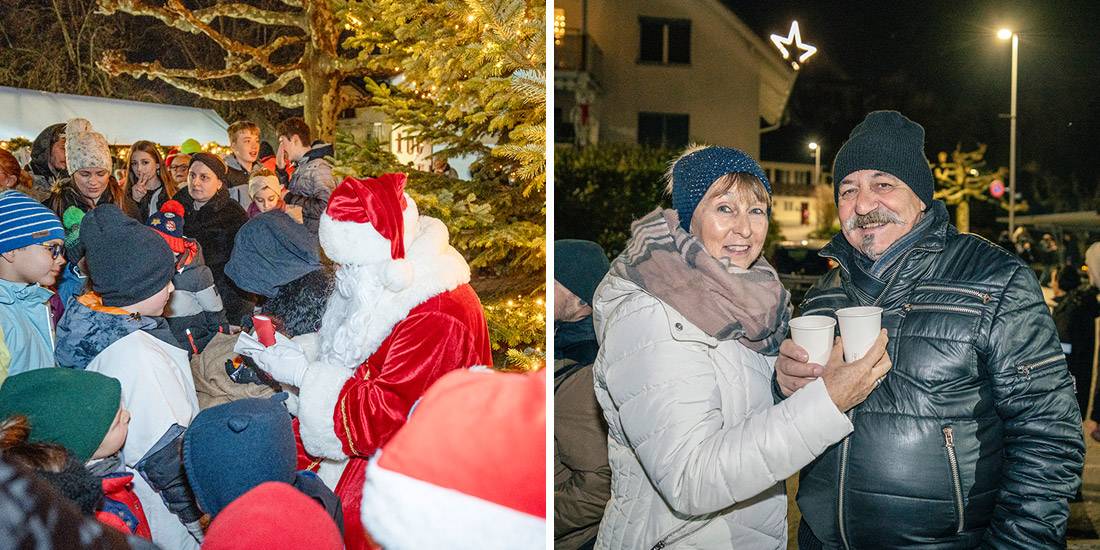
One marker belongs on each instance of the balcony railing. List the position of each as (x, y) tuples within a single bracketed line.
[(576, 52)]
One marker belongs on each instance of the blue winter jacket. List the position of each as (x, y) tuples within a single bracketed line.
[(25, 320)]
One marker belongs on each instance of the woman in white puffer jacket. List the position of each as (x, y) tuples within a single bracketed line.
[(689, 321)]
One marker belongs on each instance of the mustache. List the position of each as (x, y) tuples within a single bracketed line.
[(876, 216)]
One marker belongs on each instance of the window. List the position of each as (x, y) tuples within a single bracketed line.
[(564, 132), (665, 41), (667, 130)]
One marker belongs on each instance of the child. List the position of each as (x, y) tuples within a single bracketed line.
[(73, 443), (194, 312), (244, 140), (267, 194), (117, 329), (273, 516), (231, 448), (31, 243)]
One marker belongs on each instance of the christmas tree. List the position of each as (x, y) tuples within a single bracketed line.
[(468, 76)]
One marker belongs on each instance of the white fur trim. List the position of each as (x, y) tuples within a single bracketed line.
[(317, 401), (351, 243), (330, 472), (403, 512), (399, 275), (437, 268), (411, 216)]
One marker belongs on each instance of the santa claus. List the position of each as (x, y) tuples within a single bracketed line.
[(403, 314)]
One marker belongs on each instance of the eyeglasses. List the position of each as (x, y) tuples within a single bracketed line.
[(55, 249)]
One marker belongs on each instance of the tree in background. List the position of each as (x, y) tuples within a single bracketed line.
[(961, 177), (468, 77), (298, 65)]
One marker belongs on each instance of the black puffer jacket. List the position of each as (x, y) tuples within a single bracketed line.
[(974, 438), (215, 226)]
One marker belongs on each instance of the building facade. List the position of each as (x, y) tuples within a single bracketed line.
[(663, 73)]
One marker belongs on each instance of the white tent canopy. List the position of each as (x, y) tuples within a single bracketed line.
[(25, 113)]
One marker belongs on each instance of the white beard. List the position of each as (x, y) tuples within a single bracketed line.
[(348, 314)]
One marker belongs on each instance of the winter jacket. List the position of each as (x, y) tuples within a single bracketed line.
[(158, 390), (87, 328), (582, 476), (236, 180), (212, 383), (28, 329), (698, 450), (195, 305), (121, 507), (1075, 317), (44, 177), (974, 438), (214, 226), (149, 204), (312, 184)]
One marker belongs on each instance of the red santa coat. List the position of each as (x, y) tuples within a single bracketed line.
[(345, 417)]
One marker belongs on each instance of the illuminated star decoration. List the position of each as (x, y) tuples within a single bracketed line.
[(793, 38)]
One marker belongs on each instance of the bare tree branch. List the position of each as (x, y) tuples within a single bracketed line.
[(252, 13), (268, 92)]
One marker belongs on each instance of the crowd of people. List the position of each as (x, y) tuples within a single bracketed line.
[(143, 402), (682, 405)]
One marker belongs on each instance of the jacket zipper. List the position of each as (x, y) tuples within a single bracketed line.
[(667, 539), (985, 297), (1026, 368), (827, 294), (956, 484), (840, 492), (816, 310), (897, 272), (940, 307), (49, 328)]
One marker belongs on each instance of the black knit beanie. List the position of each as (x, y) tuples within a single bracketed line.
[(212, 162), (579, 266), (128, 262), (888, 142)]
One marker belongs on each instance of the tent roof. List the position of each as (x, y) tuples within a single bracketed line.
[(1087, 219), (28, 112)]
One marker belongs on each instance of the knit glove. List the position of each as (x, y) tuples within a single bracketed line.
[(162, 468), (285, 361)]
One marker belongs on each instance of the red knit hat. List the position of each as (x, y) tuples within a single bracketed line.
[(273, 516), (371, 221), (489, 491)]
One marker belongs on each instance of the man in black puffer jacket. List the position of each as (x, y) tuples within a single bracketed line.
[(974, 439)]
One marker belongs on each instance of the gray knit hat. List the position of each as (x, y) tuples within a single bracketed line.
[(888, 142)]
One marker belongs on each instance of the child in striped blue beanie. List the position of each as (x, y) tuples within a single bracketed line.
[(31, 245)]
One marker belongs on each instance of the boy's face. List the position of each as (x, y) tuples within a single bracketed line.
[(246, 146), (293, 147), (116, 435), (153, 306), (38, 263)]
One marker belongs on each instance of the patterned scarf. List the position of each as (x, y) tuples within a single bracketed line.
[(725, 301)]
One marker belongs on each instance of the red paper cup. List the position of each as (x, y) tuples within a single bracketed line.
[(265, 331)]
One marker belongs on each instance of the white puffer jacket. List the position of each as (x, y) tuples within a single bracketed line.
[(698, 450)]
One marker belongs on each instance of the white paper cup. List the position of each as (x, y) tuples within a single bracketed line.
[(859, 327), (815, 334)]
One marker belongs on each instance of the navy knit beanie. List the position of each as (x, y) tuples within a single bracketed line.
[(128, 262), (231, 448), (693, 174), (579, 266), (270, 251), (888, 142)]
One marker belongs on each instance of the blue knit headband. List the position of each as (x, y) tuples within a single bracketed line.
[(693, 175)]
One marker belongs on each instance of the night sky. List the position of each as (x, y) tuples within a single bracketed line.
[(940, 63)]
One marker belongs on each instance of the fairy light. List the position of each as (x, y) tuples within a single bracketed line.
[(794, 42), (559, 25)]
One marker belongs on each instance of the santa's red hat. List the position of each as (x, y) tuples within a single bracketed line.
[(468, 470), (371, 221), (273, 516)]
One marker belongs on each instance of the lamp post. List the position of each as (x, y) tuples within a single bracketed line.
[(1005, 34), (817, 162)]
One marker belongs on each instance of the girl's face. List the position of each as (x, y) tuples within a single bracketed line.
[(116, 435), (91, 182), (143, 165), (266, 200), (203, 182)]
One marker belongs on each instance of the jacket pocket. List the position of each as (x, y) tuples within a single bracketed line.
[(1026, 369), (985, 297), (941, 308), (956, 481), (681, 532)]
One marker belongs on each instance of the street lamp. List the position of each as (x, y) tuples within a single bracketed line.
[(1005, 34), (817, 161)]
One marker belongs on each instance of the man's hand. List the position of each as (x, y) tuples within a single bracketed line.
[(791, 369), (285, 361), (849, 384)]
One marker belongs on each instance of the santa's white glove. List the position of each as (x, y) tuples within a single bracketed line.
[(285, 361)]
